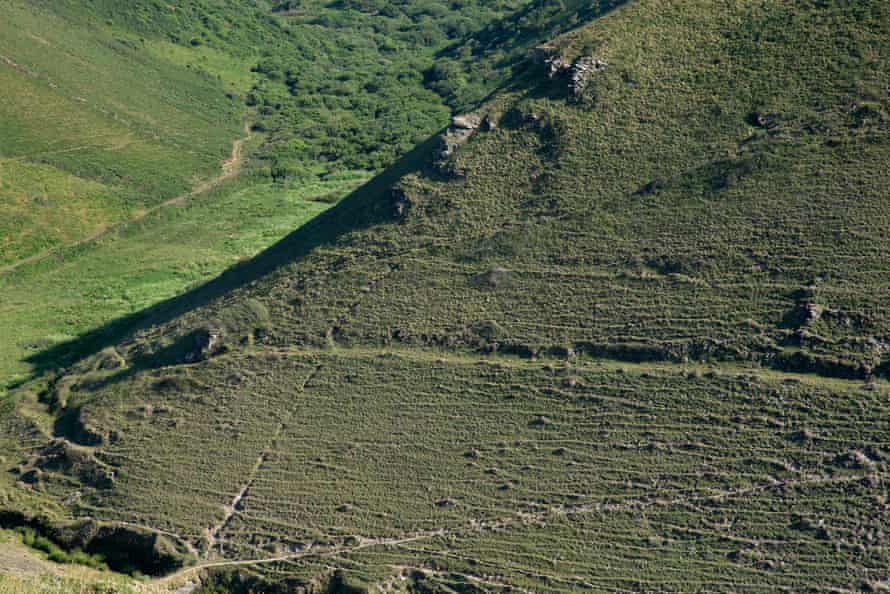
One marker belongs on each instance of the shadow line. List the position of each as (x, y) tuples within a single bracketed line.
[(366, 206)]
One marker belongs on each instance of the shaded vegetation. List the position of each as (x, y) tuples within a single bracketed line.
[(622, 335)]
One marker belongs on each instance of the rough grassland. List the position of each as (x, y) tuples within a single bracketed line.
[(91, 103), (651, 219), (58, 298), (542, 364), (541, 475)]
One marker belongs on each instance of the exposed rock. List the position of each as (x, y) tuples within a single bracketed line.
[(805, 435), (493, 277), (854, 460), (539, 421), (812, 312), (581, 71), (578, 72), (207, 342), (764, 120), (556, 65), (468, 121), (109, 360), (63, 456), (461, 129), (542, 54)]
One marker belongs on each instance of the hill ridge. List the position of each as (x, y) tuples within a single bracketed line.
[(628, 314)]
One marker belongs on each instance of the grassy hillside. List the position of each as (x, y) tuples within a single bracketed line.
[(95, 129), (113, 113), (56, 299), (652, 217), (628, 335)]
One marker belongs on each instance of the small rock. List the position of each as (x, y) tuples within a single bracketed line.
[(465, 122), (401, 204)]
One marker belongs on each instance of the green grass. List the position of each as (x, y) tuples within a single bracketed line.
[(556, 361), (158, 258), (56, 554), (713, 265), (97, 128), (234, 71), (543, 474), (43, 207)]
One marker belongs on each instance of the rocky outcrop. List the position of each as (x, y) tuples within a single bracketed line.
[(461, 129), (541, 54), (207, 342), (577, 72), (581, 72), (62, 456), (401, 204)]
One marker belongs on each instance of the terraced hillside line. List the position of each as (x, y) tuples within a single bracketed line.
[(311, 551), (429, 355), (215, 534), (476, 580), (530, 514), (229, 169), (17, 67), (516, 519)]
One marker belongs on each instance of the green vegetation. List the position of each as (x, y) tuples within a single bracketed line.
[(627, 333), (25, 570), (95, 129), (338, 85), (172, 249), (376, 108), (469, 69), (114, 113), (54, 553)]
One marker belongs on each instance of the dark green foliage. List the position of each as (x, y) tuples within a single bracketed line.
[(57, 554), (630, 338), (471, 68), (376, 107), (341, 85)]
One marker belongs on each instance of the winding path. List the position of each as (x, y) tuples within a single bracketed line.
[(229, 169)]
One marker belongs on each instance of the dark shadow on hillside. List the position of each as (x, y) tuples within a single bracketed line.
[(368, 205), (536, 23), (505, 43)]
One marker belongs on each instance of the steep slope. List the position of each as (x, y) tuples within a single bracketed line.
[(696, 200), (538, 362), (95, 129), (118, 116)]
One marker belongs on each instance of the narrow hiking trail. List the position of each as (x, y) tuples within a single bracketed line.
[(524, 514), (516, 519), (229, 168), (215, 535)]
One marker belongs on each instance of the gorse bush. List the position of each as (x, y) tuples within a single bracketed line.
[(371, 111)]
